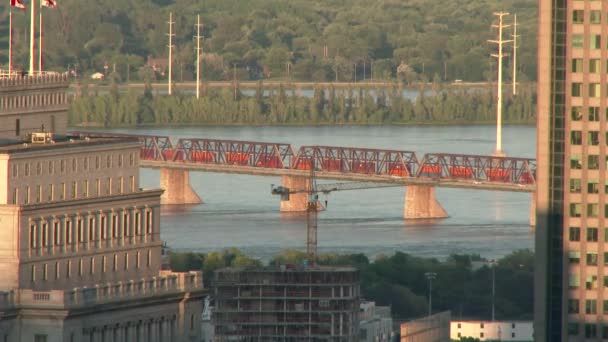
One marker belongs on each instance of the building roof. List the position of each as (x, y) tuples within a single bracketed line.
[(11, 146)]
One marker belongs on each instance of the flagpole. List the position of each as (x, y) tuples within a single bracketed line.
[(10, 44), (32, 37), (40, 46)]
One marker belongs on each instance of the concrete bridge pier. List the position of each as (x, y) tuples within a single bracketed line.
[(176, 183), (296, 202), (420, 203)]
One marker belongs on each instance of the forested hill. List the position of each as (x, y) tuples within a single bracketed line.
[(437, 39)]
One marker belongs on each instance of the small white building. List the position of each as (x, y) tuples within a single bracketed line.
[(520, 331), (375, 323)]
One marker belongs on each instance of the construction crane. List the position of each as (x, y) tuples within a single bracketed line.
[(312, 205)]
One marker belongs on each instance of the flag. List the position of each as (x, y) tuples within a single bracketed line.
[(18, 4), (49, 3)]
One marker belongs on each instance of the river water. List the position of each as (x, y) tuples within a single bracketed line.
[(239, 211)]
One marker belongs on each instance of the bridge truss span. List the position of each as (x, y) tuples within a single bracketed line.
[(350, 160), (478, 168), (234, 152)]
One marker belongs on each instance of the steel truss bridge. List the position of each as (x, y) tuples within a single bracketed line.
[(331, 162)]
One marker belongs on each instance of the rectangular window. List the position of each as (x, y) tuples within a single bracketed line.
[(92, 227), (85, 188), (103, 228), (595, 66), (593, 209), (576, 114), (126, 261), (593, 162), (132, 181), (68, 269), (137, 257), (573, 306), (115, 263), (103, 264), (149, 258), (593, 186), (574, 257), (593, 138), (68, 231), (591, 282), (114, 226), (575, 185), (80, 230), (149, 222), (578, 16), (596, 42), (576, 138), (57, 270), (45, 272), (576, 210), (594, 113), (80, 267), (138, 223), (576, 161), (594, 90), (577, 65), (56, 234), (577, 89), (575, 233), (38, 193), (592, 234), (92, 266), (590, 331), (595, 17), (62, 194), (577, 41), (590, 306), (592, 259)]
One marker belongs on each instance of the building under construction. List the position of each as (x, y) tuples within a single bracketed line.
[(287, 304)]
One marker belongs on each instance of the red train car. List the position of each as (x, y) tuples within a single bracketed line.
[(363, 167), (202, 156), (269, 161), (431, 170), (398, 169), (237, 158), (332, 165), (304, 163), (461, 172), (498, 175), (171, 155)]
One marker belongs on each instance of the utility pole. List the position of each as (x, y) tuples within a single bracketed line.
[(515, 54), (170, 52), (493, 265), (32, 38), (430, 276), (500, 56), (198, 55), (10, 43), (355, 72)]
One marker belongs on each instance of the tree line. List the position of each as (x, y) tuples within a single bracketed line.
[(308, 40), (285, 105), (463, 283)]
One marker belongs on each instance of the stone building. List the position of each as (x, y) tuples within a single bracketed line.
[(80, 254)]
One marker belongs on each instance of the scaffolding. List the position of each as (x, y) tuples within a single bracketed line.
[(286, 304)]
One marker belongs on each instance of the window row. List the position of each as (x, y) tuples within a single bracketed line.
[(90, 228), (574, 257), (594, 65), (593, 186), (70, 165), (593, 90), (590, 330), (594, 41), (594, 17), (592, 210), (591, 282), (591, 114), (574, 306), (591, 234), (593, 162), (33, 100), (89, 266), (74, 190)]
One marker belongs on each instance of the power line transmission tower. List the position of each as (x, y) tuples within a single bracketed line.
[(171, 34), (198, 55), (514, 35), (500, 55)]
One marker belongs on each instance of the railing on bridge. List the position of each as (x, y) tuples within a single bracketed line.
[(356, 160), (478, 168), (347, 160)]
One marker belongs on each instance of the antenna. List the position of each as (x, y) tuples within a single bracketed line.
[(10, 44), (500, 56), (515, 54), (171, 22), (198, 55)]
